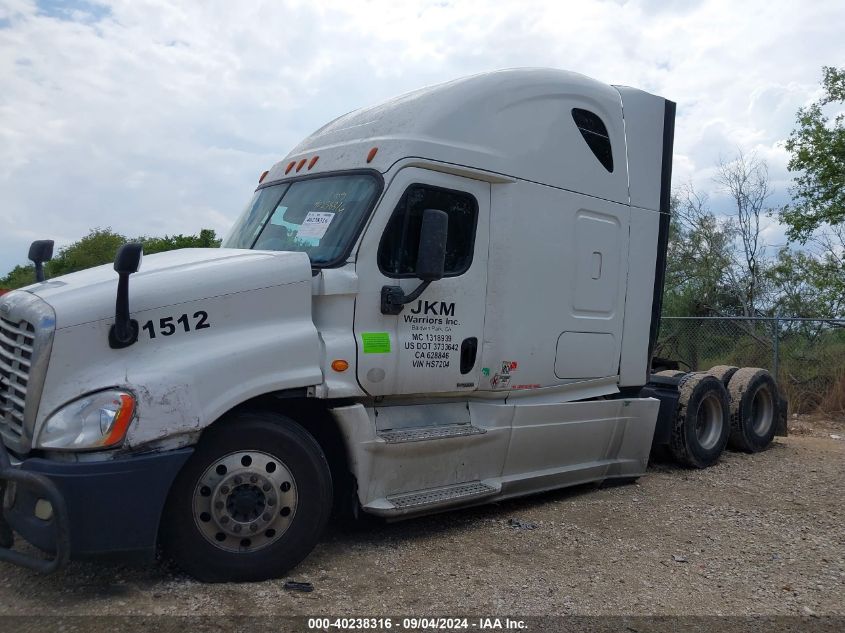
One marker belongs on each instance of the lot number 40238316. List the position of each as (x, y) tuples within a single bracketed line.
[(167, 326)]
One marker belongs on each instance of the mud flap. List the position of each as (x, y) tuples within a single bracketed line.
[(783, 413)]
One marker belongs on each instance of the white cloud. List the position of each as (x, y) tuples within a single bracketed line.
[(152, 117)]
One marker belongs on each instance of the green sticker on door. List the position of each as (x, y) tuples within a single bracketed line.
[(376, 342)]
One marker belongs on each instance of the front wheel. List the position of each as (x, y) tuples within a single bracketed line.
[(251, 502)]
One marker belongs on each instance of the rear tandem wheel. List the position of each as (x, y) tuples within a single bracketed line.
[(755, 407), (723, 372), (701, 423)]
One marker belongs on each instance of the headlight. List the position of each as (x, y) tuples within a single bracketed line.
[(99, 420)]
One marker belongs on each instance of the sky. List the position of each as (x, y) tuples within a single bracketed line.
[(156, 118)]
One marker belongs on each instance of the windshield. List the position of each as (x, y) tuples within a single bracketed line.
[(318, 216)]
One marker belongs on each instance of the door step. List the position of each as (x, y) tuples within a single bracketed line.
[(422, 434), (436, 496)]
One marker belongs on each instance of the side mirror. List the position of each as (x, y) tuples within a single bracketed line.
[(124, 332), (128, 258), (431, 261), (40, 251), (431, 256)]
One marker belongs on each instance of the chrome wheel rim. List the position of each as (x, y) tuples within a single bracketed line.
[(245, 501), (708, 423), (762, 411)]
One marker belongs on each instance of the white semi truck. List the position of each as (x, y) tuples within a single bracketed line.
[(448, 299)]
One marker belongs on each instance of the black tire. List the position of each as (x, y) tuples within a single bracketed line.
[(755, 409), (701, 425), (723, 372), (281, 441), (670, 373)]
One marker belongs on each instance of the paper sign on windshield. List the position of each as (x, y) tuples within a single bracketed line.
[(315, 225)]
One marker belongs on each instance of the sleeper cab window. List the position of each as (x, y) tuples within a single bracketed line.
[(397, 254), (594, 131)]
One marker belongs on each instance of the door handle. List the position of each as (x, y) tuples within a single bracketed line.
[(469, 348)]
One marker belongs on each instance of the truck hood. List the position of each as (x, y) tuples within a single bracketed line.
[(169, 278)]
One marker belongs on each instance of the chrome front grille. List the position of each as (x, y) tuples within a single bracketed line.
[(16, 346), (27, 328)]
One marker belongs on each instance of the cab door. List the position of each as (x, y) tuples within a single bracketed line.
[(434, 345)]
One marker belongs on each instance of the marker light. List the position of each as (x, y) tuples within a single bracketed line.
[(99, 420), (301, 163), (262, 177), (372, 154), (289, 167), (340, 365), (313, 162)]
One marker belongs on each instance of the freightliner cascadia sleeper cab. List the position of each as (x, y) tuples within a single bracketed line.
[(447, 299)]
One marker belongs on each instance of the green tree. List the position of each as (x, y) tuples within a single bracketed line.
[(817, 148), (99, 247), (207, 238), (18, 277), (805, 285), (811, 282), (746, 179), (700, 260), (96, 248)]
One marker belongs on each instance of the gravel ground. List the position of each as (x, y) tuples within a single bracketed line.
[(756, 534)]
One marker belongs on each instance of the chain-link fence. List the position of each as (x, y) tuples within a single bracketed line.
[(806, 355)]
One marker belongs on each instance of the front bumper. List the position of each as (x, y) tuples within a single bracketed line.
[(78, 510)]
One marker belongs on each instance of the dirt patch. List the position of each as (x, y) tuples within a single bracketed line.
[(755, 534), (818, 425)]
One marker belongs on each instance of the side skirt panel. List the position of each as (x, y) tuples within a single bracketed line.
[(524, 449)]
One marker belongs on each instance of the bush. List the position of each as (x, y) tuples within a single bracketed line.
[(99, 247)]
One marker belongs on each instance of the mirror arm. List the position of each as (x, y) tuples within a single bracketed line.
[(124, 332), (393, 298)]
